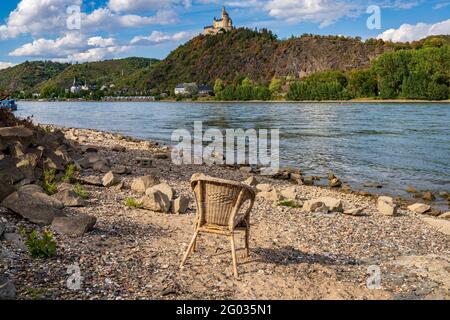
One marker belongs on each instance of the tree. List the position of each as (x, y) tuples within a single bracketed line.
[(275, 85), (218, 86)]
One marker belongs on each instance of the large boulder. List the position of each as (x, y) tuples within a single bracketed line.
[(69, 198), (141, 184), (156, 201), (75, 226), (387, 206), (419, 208), (315, 206), (35, 206), (110, 179), (164, 188)]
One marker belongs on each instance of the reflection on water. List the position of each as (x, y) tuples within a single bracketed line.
[(393, 144)]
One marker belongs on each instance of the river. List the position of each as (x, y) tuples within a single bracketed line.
[(364, 144)]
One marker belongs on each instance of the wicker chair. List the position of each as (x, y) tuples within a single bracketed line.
[(223, 207)]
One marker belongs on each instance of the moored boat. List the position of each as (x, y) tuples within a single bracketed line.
[(8, 104)]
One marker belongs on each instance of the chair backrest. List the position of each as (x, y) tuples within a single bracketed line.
[(219, 201)]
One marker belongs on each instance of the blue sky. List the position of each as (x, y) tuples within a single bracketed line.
[(45, 29)]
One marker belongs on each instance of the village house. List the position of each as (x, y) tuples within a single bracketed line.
[(186, 89), (220, 25), (205, 90)]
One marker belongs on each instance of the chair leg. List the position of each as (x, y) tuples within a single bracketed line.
[(189, 249), (195, 247), (233, 253), (247, 242)]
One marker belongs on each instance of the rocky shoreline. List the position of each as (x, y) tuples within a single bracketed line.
[(125, 216)]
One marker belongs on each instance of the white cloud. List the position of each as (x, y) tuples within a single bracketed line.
[(324, 12), (36, 16), (4, 65), (43, 17), (157, 37), (60, 47), (71, 47), (408, 32), (101, 42)]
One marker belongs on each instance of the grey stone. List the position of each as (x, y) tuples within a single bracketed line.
[(9, 172), (16, 132), (164, 188), (37, 207), (5, 190), (75, 226), (156, 201), (110, 179), (69, 198), (387, 206), (141, 184), (419, 208), (7, 288), (180, 205)]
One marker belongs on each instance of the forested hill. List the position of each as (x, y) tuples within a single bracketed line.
[(260, 56), (26, 76), (256, 55)]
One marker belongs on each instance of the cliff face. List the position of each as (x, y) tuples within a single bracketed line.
[(260, 56), (305, 56)]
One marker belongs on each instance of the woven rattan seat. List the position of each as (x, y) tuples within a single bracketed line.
[(223, 207)]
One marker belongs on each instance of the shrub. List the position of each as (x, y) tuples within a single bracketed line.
[(80, 191), (40, 247), (289, 203), (49, 182), (132, 203), (68, 175)]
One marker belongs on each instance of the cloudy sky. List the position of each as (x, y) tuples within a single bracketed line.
[(54, 30)]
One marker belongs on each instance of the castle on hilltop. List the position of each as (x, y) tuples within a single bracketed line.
[(220, 25)]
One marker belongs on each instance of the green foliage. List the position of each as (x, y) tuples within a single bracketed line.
[(132, 203), (414, 74), (289, 203), (362, 84), (26, 76), (43, 246), (80, 191), (275, 86), (218, 86), (68, 174), (244, 92), (49, 182)]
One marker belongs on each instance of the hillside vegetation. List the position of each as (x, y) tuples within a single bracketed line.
[(255, 65), (28, 75)]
